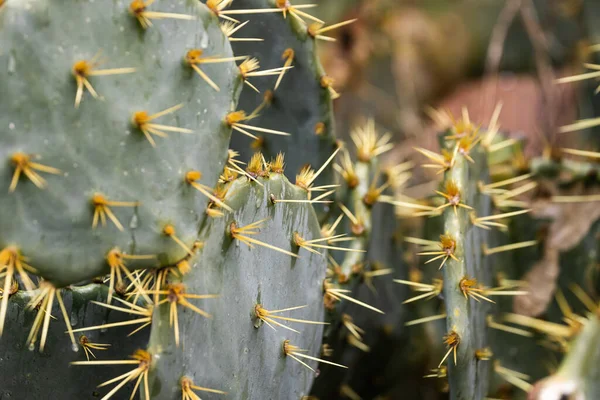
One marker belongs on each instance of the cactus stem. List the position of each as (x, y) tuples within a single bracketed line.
[(294, 352), (45, 299), (88, 346), (101, 210), (133, 309), (24, 165), (188, 387), (337, 294), (141, 358), (509, 247), (513, 377), (83, 69), (138, 8), (268, 317), (452, 340), (425, 320), (241, 234)]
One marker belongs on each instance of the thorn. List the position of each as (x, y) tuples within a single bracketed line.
[(175, 294), (513, 246), (242, 234), (188, 387), (88, 346), (338, 294), (447, 247), (169, 230), (141, 358), (102, 210), (84, 69), (452, 341), (425, 320), (294, 352), (24, 165), (269, 317), (191, 178), (288, 57), (138, 8), (142, 121), (194, 58)]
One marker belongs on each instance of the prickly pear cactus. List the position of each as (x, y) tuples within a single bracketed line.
[(307, 114), (106, 168), (472, 210), (123, 210)]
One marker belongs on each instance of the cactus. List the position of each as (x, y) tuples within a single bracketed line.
[(475, 254), (577, 376), (307, 115), (358, 331), (118, 171)]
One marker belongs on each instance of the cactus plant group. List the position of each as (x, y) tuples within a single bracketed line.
[(179, 220)]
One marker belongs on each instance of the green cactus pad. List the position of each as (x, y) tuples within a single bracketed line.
[(31, 375), (228, 352), (95, 146), (299, 104)]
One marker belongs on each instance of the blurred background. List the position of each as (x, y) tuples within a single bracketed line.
[(403, 56), (401, 60)]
